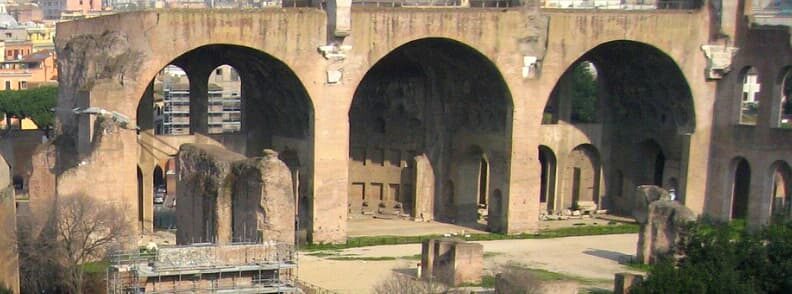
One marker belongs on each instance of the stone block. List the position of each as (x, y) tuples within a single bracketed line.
[(452, 261), (660, 227), (645, 195), (624, 281)]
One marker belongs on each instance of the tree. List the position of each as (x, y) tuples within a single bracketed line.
[(584, 94), (36, 104), (57, 245)]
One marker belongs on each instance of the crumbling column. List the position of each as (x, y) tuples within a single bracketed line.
[(203, 213), (263, 204), (9, 261), (661, 222)]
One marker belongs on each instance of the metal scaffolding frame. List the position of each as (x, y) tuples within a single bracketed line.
[(150, 272)]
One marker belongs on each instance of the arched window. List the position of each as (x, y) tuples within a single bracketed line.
[(781, 174), (749, 97), (785, 101), (225, 100)]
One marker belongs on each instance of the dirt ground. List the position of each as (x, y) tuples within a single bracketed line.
[(593, 259), (398, 227)]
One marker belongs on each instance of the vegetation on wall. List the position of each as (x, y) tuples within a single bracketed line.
[(35, 103), (721, 258)]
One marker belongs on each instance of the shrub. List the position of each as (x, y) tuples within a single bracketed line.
[(720, 258)]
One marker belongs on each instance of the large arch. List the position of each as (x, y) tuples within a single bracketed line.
[(274, 111), (425, 109), (638, 111)]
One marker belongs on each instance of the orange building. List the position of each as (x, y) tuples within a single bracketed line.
[(28, 71), (16, 49)]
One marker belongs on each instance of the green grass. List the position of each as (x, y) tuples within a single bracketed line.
[(638, 266), (487, 281), (545, 275), (589, 230)]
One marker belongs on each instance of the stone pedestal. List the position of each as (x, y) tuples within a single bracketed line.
[(451, 261)]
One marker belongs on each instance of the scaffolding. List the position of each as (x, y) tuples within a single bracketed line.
[(205, 268)]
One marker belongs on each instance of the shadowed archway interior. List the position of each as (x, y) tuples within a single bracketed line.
[(413, 119), (630, 101)]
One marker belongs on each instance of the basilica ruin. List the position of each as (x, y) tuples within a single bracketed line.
[(465, 116)]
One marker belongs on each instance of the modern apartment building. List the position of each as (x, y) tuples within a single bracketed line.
[(172, 101)]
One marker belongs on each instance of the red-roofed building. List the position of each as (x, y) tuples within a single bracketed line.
[(30, 70)]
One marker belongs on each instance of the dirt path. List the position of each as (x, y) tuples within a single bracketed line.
[(594, 258)]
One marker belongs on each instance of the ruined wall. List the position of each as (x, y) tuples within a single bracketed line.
[(204, 190), (9, 259), (41, 184), (767, 50), (291, 36), (18, 146), (98, 174), (572, 35), (263, 203)]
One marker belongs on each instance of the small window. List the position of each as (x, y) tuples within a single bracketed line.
[(749, 102), (23, 85), (785, 117), (8, 85), (219, 71)]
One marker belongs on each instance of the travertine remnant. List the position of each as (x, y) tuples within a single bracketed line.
[(263, 201), (224, 197), (452, 261), (9, 262), (645, 195), (41, 184), (661, 223), (203, 212)]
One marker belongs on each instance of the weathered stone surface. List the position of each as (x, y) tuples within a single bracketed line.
[(41, 184), (624, 281), (203, 212), (290, 35), (659, 233), (452, 261), (424, 189), (9, 261), (645, 195), (95, 172), (263, 204), (518, 280)]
